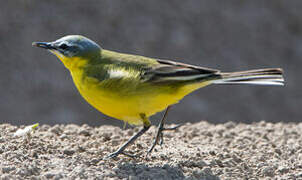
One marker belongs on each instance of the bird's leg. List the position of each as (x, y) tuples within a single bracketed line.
[(147, 125), (159, 136), (161, 140)]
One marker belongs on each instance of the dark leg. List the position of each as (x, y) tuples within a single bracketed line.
[(160, 129), (161, 140), (147, 125)]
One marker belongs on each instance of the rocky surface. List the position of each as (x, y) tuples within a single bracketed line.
[(194, 151)]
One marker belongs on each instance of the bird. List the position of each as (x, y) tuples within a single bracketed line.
[(132, 88)]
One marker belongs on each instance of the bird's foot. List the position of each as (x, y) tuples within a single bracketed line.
[(159, 139), (116, 153)]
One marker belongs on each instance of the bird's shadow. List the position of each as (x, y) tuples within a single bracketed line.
[(159, 171)]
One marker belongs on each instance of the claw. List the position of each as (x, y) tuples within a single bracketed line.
[(111, 155), (130, 155), (115, 154)]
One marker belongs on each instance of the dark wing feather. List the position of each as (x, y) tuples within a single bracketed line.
[(167, 71)]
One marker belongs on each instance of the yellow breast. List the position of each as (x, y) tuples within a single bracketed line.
[(126, 107), (133, 101)]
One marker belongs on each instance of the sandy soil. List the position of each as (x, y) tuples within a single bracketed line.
[(195, 151)]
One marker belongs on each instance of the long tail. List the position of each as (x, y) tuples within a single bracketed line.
[(272, 76)]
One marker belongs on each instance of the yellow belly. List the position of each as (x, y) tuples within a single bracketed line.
[(129, 108)]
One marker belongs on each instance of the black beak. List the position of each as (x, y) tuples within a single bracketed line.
[(45, 45)]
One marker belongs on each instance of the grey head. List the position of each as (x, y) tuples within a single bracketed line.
[(71, 46)]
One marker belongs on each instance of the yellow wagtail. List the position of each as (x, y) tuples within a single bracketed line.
[(132, 88)]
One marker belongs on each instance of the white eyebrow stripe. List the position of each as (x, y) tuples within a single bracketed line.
[(64, 42)]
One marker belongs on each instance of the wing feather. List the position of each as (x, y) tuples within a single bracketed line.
[(167, 71)]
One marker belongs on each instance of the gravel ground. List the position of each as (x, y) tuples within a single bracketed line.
[(194, 151)]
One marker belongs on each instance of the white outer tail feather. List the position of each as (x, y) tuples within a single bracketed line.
[(256, 77)]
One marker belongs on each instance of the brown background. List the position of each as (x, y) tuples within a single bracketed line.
[(228, 35)]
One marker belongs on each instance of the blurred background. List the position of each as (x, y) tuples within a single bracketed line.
[(228, 35)]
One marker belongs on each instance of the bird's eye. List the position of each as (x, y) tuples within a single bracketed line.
[(63, 46)]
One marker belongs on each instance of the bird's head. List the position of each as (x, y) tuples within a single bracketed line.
[(73, 50)]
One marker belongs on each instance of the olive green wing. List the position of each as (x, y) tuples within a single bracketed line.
[(144, 69)]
